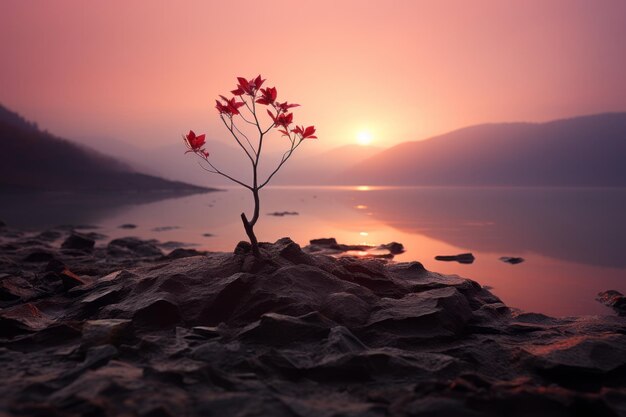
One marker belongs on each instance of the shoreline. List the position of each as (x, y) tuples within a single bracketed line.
[(297, 333)]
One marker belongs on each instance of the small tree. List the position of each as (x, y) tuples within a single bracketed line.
[(230, 110)]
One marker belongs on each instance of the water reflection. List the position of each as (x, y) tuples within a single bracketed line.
[(578, 225), (572, 239)]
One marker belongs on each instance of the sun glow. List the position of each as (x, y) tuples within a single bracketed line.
[(364, 138)]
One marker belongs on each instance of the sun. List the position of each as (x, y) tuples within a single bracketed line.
[(364, 138)]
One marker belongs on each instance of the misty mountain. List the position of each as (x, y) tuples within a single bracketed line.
[(581, 151), (34, 160), (10, 118), (307, 166)]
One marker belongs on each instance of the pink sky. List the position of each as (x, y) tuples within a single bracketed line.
[(146, 71)]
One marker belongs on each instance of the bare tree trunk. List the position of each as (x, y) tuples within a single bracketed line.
[(249, 225)]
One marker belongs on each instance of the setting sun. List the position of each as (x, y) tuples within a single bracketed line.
[(364, 138)]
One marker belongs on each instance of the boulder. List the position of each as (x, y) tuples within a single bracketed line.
[(614, 299), (512, 260), (104, 331), (133, 247), (70, 279), (78, 241), (463, 258)]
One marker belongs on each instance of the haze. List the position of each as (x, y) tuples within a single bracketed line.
[(143, 72)]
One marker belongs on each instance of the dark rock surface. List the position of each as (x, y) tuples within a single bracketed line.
[(329, 246), (283, 213), (614, 299), (463, 258), (133, 247), (78, 241), (512, 260), (293, 334)]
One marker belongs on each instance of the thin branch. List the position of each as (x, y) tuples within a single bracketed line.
[(246, 137), (230, 129), (246, 120), (217, 171), (269, 128), (282, 162), (258, 125)]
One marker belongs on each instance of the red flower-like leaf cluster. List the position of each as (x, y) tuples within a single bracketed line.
[(268, 96), (249, 87), (305, 133), (195, 144), (229, 107), (283, 107), (281, 117)]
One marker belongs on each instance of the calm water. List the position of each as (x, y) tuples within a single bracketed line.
[(573, 240)]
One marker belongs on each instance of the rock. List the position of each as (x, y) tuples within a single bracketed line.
[(127, 226), (183, 253), (576, 360), (70, 279), (54, 265), (49, 235), (104, 332), (157, 313), (164, 228), (346, 309), (394, 248), (286, 249), (463, 258), (243, 248), (39, 255), (94, 235), (439, 406), (206, 332), (14, 288), (173, 244), (614, 299), (377, 362), (278, 329), (442, 313), (2, 224), (329, 246), (293, 333), (78, 241), (331, 241), (22, 318), (103, 295), (130, 246), (511, 260), (283, 213), (341, 340)]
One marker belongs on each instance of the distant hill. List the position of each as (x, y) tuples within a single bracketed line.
[(582, 151), (34, 160), (307, 166)]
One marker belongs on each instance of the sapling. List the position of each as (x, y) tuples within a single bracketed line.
[(242, 109)]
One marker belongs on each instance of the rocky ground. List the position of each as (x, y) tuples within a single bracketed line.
[(91, 329)]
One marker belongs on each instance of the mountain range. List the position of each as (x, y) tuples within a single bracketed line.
[(585, 151), (581, 151), (35, 160)]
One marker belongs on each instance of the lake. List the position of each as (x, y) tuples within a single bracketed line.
[(573, 240)]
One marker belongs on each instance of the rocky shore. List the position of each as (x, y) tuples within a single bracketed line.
[(123, 329)]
